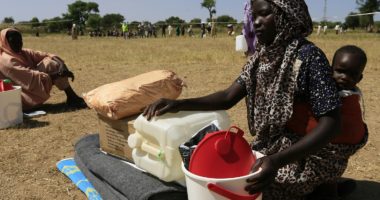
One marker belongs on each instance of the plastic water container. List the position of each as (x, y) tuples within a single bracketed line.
[(241, 43), (155, 143), (5, 85), (199, 187), (10, 107)]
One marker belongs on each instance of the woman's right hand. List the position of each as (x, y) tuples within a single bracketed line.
[(160, 107)]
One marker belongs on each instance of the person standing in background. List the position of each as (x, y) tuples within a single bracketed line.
[(183, 29), (325, 29), (190, 31), (337, 29), (124, 28), (319, 29), (213, 28), (203, 30), (170, 29), (178, 30), (163, 30), (74, 32)]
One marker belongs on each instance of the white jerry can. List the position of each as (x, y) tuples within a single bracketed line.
[(155, 143), (10, 108), (241, 44)]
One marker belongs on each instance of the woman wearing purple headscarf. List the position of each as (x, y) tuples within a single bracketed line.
[(287, 76)]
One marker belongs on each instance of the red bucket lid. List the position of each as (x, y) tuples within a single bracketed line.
[(222, 154)]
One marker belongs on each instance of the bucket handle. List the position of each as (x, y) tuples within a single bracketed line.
[(239, 132), (223, 145), (230, 195)]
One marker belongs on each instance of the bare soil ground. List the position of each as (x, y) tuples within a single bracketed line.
[(29, 152)]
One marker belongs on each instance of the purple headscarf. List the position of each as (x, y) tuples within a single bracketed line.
[(248, 30)]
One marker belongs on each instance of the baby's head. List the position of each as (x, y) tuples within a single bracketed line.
[(348, 65)]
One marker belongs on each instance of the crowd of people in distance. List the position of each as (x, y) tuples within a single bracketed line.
[(149, 30)]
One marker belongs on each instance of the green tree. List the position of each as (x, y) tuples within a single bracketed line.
[(94, 21), (8, 20), (210, 6), (364, 21), (54, 25), (196, 22), (352, 21), (225, 19), (174, 20), (79, 11), (133, 25), (35, 22), (368, 6), (159, 23), (112, 21)]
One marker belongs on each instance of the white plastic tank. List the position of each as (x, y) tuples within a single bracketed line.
[(241, 43), (155, 143), (10, 108)]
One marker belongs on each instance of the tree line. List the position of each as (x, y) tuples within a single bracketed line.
[(86, 16)]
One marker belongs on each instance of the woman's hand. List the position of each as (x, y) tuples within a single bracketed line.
[(265, 177), (160, 107)]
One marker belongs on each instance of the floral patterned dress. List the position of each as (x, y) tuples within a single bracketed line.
[(314, 85)]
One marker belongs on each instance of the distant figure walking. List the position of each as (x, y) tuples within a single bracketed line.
[(125, 29), (163, 30), (190, 31), (209, 28), (170, 29), (325, 29), (213, 29), (319, 29), (74, 32), (336, 29), (183, 29), (178, 31), (231, 31), (203, 30)]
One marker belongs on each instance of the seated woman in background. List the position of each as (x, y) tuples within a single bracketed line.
[(36, 72)]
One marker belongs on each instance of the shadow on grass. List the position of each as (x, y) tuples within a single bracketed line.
[(366, 190), (29, 123), (33, 122), (55, 108)]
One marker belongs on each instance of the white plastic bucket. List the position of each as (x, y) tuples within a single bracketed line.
[(241, 43), (10, 107), (199, 187)]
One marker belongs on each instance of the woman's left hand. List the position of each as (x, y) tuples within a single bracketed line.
[(264, 178)]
